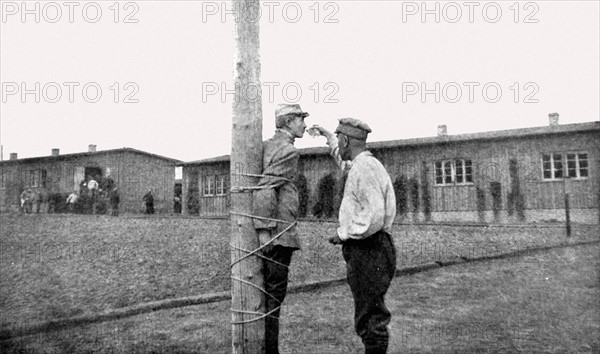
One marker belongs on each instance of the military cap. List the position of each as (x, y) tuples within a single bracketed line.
[(285, 110), (354, 128)]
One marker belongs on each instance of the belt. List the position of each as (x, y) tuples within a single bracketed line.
[(365, 241)]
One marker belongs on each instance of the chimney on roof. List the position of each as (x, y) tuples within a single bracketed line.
[(55, 152), (13, 156), (442, 130), (553, 119), (92, 148)]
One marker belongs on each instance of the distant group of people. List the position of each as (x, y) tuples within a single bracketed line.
[(29, 199), (87, 197), (93, 190)]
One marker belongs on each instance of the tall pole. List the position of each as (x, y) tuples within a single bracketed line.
[(247, 298), (567, 191)]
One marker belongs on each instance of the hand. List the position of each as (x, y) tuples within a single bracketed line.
[(322, 131), (335, 240), (266, 249), (264, 236)]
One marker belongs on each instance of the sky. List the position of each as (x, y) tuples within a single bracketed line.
[(158, 75)]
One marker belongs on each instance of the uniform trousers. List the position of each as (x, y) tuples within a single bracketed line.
[(370, 266), (276, 281)]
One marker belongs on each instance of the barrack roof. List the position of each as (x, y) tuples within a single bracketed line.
[(491, 135)]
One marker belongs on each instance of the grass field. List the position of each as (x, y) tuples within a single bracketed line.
[(57, 266), (542, 303)]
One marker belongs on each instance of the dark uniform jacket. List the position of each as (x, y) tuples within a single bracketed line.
[(280, 199), (114, 198), (148, 198)]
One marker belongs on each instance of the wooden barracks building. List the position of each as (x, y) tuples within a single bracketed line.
[(133, 172), (519, 175)]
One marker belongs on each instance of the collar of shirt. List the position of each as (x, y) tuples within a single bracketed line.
[(285, 134), (363, 154)]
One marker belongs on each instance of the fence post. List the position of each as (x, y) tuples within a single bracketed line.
[(567, 207)]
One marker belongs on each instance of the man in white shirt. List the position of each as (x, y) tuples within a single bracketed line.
[(92, 186), (71, 200), (366, 215)]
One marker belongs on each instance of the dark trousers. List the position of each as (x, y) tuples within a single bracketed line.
[(370, 266), (149, 208), (94, 201), (276, 281)]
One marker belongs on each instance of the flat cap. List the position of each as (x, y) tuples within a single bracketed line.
[(354, 128), (286, 109)]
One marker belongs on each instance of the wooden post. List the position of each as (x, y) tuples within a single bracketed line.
[(185, 190), (567, 214), (567, 191), (246, 158)]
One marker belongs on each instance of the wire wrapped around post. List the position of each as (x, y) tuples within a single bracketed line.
[(257, 253)]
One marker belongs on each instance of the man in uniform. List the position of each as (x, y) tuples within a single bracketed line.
[(366, 215), (27, 197), (149, 202), (278, 199), (114, 200)]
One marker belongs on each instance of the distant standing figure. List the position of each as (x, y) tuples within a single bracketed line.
[(92, 186), (27, 197), (177, 205), (71, 200), (83, 187), (106, 185), (40, 198), (149, 202), (114, 202)]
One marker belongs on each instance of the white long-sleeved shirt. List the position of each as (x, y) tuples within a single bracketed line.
[(72, 198), (369, 202), (92, 184)]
